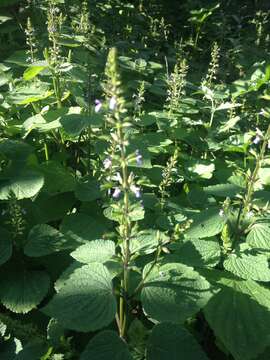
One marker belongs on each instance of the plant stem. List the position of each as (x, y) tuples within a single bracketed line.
[(126, 234), (245, 207)]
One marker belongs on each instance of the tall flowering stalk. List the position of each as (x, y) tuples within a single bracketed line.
[(125, 191), (55, 21)]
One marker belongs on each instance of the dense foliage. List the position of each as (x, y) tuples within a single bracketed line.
[(134, 180)]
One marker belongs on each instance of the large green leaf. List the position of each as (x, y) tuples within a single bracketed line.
[(86, 301), (222, 190), (44, 239), (22, 290), (87, 190), (14, 149), (197, 252), (28, 94), (240, 315), (207, 223), (174, 342), (94, 251), (173, 292), (5, 246), (106, 345), (25, 184), (81, 227), (147, 241), (57, 178), (259, 236), (248, 266), (74, 124)]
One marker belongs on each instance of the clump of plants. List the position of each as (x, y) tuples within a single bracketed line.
[(134, 180)]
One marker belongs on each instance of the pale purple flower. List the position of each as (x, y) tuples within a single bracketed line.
[(257, 140), (116, 193), (138, 158), (136, 191), (118, 177), (112, 103), (107, 163), (98, 105)]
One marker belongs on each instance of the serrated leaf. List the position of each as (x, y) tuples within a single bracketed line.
[(259, 236), (222, 190), (33, 350), (74, 124), (106, 345), (87, 190), (14, 149), (147, 241), (86, 301), (239, 315), (207, 223), (61, 281), (23, 185), (94, 251), (172, 341), (81, 227), (33, 71), (22, 290), (44, 240), (57, 178), (5, 246), (54, 333), (173, 292), (248, 266), (197, 252)]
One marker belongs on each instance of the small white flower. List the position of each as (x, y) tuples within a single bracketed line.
[(98, 105), (107, 163), (116, 193), (221, 213), (138, 158), (118, 177), (249, 214), (112, 103), (256, 140)]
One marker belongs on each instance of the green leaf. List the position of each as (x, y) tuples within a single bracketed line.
[(33, 350), (197, 252), (94, 251), (259, 236), (33, 71), (28, 94), (14, 149), (172, 341), (58, 179), (147, 241), (86, 301), (239, 315), (82, 228), (74, 124), (22, 290), (25, 184), (106, 345), (222, 190), (10, 348), (5, 246), (248, 266), (173, 292), (115, 213), (207, 223), (87, 190), (44, 240)]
